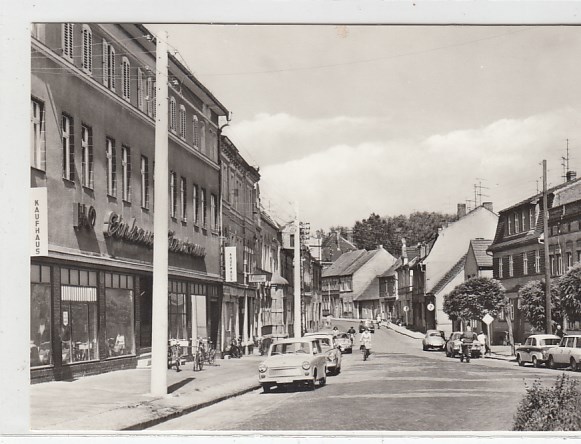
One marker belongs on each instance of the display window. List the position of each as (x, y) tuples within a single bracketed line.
[(177, 310), (40, 316), (119, 314), (78, 329)]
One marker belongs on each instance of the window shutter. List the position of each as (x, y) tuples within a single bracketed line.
[(85, 49), (90, 44), (91, 165), (112, 68), (105, 64), (139, 89), (146, 178), (128, 174), (154, 99), (72, 148), (71, 30), (42, 140), (84, 156), (114, 168)]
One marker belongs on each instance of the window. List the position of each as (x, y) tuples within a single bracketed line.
[(126, 172), (140, 89), (183, 122), (183, 201), (149, 97), (203, 206), (40, 316), (37, 140), (196, 132), (119, 318), (87, 156), (68, 147), (510, 266), (195, 204), (87, 60), (68, 31), (78, 330), (225, 183), (111, 168), (532, 218), (173, 194), (569, 259), (516, 223), (108, 65), (523, 220), (500, 267), (509, 225), (126, 73), (537, 261), (559, 259), (553, 264), (177, 310), (144, 182), (172, 114), (525, 263), (213, 212)]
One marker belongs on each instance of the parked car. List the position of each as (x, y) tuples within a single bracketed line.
[(367, 324), (454, 346), (434, 339), (331, 349), (294, 361), (567, 353), (344, 342), (533, 348)]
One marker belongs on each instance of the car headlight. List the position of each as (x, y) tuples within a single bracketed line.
[(262, 368), (306, 365)]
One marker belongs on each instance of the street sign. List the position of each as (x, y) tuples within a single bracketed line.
[(257, 278), (406, 308), (487, 319), (430, 307)]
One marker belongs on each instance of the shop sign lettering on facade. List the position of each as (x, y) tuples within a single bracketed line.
[(230, 263), (257, 278), (39, 218), (116, 227), (84, 216)]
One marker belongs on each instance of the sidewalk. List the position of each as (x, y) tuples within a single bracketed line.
[(120, 400)]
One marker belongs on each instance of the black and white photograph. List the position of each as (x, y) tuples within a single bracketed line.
[(328, 228)]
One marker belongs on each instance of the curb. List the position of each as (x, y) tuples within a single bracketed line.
[(402, 333), (184, 411)]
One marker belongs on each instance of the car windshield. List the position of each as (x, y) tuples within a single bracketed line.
[(434, 333), (325, 342), (550, 341), (291, 348), (343, 336)]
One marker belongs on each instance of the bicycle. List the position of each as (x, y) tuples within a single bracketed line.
[(198, 357)]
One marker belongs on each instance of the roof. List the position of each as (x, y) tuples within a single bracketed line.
[(451, 274), (343, 263), (391, 270), (277, 279), (370, 293), (479, 246), (540, 195)]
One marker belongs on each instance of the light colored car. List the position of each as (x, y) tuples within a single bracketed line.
[(533, 348), (567, 353), (433, 339), (344, 342), (294, 361), (331, 350), (454, 346)]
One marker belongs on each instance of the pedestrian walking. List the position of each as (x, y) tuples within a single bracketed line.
[(483, 340), (365, 341)]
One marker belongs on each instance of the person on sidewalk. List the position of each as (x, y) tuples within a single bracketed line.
[(560, 332), (483, 340)]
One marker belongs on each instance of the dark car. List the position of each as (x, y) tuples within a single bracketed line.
[(367, 324)]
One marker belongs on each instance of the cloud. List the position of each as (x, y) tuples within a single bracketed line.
[(339, 183)]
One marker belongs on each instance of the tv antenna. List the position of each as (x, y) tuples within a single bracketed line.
[(565, 162)]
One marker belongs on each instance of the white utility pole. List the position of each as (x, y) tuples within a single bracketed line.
[(159, 321), (548, 317), (297, 276)]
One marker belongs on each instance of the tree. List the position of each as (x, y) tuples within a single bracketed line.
[(474, 298), (371, 232), (533, 304), (569, 286)]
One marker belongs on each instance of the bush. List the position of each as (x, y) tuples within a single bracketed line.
[(556, 408)]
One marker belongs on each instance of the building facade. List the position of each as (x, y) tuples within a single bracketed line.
[(92, 149)]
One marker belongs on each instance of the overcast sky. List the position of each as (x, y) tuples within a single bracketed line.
[(350, 120)]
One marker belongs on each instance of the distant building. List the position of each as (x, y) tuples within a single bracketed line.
[(333, 246), (478, 261)]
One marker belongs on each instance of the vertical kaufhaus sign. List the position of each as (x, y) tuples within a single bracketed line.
[(230, 263), (39, 222)]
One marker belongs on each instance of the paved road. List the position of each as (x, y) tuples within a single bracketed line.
[(401, 388)]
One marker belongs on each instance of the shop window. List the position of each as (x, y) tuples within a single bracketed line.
[(37, 135), (199, 311), (78, 330), (40, 316), (119, 314), (177, 311)]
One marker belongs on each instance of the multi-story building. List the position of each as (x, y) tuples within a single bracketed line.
[(93, 115), (333, 245), (518, 254), (241, 222)]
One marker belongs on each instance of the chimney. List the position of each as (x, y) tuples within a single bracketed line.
[(404, 251), (571, 175), (461, 210), (422, 251), (487, 205)]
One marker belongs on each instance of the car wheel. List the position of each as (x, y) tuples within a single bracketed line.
[(425, 348), (311, 384), (574, 365), (536, 362), (551, 362), (266, 388), (337, 370), (322, 381), (519, 360)]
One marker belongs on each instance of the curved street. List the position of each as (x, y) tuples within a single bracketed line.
[(401, 388)]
